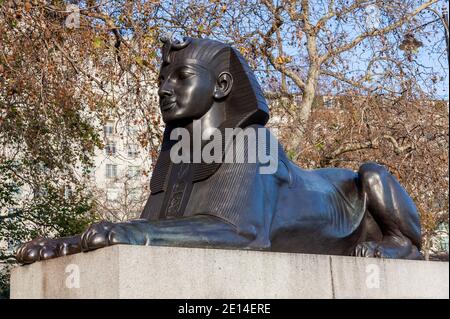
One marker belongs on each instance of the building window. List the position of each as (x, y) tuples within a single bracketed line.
[(110, 148), (133, 150), (112, 194), (108, 129), (134, 172), (443, 244), (89, 173), (18, 191), (68, 192), (329, 103), (111, 170), (12, 245), (40, 192), (442, 238), (134, 193), (132, 130)]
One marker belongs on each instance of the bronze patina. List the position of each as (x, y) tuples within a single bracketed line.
[(233, 205)]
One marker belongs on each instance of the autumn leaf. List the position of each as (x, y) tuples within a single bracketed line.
[(282, 60), (139, 60), (27, 6), (243, 50), (97, 43)]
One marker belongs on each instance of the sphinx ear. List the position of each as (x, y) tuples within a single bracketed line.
[(223, 85)]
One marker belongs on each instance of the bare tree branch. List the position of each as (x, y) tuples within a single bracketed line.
[(375, 32)]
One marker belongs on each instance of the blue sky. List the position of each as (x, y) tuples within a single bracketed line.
[(430, 58)]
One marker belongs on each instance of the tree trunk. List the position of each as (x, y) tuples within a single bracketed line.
[(426, 247), (307, 99), (304, 110)]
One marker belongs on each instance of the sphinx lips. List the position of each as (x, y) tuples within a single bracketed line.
[(168, 106)]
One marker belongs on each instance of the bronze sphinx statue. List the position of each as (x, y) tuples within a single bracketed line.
[(232, 204)]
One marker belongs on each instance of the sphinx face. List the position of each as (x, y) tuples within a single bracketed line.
[(186, 92)]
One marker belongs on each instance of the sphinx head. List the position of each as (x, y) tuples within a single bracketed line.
[(197, 74)]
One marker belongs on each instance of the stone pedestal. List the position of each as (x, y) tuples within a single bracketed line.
[(169, 272)]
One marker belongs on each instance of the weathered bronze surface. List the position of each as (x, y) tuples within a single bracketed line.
[(232, 205)]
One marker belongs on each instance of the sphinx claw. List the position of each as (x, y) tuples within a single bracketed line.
[(366, 249)]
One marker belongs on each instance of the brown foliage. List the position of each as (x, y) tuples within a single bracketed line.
[(409, 137), (56, 82)]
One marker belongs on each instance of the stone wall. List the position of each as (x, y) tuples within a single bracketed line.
[(170, 272)]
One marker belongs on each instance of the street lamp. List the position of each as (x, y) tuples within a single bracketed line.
[(410, 44), (445, 23)]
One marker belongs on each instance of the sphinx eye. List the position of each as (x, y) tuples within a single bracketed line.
[(185, 74)]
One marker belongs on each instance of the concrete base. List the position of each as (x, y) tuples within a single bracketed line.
[(170, 272)]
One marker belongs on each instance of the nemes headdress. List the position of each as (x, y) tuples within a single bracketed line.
[(174, 186), (246, 104)]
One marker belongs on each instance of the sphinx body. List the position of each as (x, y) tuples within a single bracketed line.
[(233, 205), (327, 211)]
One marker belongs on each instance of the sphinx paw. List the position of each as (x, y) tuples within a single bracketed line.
[(367, 249), (96, 236), (47, 248), (105, 233), (36, 250)]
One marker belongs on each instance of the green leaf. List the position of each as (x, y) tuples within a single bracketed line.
[(98, 42), (139, 60)]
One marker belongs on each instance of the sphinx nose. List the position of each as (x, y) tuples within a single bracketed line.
[(165, 91)]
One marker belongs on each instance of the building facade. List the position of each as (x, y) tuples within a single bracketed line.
[(120, 178)]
